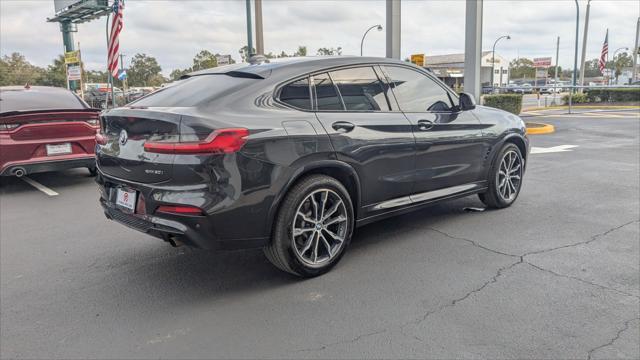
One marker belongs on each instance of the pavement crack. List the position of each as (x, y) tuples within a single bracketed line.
[(613, 340), (591, 239), (454, 302), (581, 280), (349, 341), (472, 242)]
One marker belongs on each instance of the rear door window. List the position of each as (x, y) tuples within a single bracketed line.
[(327, 98), (297, 94), (361, 90)]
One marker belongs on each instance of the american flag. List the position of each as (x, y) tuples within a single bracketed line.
[(602, 63), (114, 41)]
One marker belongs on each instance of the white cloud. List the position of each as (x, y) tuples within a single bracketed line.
[(174, 31)]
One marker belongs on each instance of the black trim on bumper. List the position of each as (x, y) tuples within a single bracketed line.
[(54, 165)]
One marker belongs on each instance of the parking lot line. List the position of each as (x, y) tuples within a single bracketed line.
[(39, 186)]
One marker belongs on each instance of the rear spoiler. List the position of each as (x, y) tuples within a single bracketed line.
[(46, 111)]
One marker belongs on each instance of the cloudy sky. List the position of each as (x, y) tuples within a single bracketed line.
[(174, 31)]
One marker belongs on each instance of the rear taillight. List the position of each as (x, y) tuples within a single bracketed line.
[(93, 122), (5, 127), (101, 139), (179, 210), (222, 141)]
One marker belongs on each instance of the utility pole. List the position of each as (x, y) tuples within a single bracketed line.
[(473, 47), (393, 29), (259, 35), (557, 55), (249, 32), (584, 44), (575, 55), (636, 50), (68, 29)]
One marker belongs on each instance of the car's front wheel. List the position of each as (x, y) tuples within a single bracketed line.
[(313, 227), (505, 178)]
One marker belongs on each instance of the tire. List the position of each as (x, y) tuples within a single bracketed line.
[(502, 194), (317, 246)]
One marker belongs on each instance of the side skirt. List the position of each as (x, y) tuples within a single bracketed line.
[(414, 202)]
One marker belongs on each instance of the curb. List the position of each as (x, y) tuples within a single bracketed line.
[(565, 107), (534, 128)]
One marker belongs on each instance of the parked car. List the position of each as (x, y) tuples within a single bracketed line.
[(45, 129), (292, 155)]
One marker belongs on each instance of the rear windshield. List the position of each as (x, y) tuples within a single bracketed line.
[(193, 91), (38, 99)]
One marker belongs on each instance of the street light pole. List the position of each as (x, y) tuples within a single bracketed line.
[(493, 56), (379, 27)]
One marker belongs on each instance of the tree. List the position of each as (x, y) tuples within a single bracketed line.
[(96, 76), (177, 73), (243, 53), (16, 70), (522, 68), (283, 54), (551, 71), (622, 60), (204, 60), (330, 51), (145, 71), (56, 74), (302, 51)]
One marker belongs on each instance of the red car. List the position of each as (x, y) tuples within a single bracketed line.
[(45, 129)]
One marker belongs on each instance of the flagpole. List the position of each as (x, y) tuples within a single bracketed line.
[(110, 78)]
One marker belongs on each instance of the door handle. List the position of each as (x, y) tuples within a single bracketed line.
[(342, 126), (425, 125)]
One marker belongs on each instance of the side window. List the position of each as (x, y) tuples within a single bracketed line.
[(297, 94), (416, 92), (361, 90), (326, 94)]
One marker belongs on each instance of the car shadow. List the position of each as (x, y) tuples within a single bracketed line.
[(188, 276)]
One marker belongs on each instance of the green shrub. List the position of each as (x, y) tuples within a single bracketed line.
[(613, 95), (508, 102), (577, 98)]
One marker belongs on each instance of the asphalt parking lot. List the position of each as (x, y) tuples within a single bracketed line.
[(555, 276)]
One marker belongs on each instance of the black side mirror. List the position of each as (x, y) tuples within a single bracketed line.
[(467, 101)]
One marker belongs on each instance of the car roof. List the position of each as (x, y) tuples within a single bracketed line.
[(289, 65)]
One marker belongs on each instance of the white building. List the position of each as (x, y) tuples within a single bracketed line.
[(450, 68)]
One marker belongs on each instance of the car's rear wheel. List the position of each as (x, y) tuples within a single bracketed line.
[(505, 178), (313, 227)]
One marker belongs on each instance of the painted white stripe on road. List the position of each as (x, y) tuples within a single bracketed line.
[(39, 186), (553, 149)]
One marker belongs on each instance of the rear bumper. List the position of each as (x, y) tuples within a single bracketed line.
[(194, 231), (37, 166)]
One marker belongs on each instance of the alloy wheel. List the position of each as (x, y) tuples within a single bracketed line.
[(319, 227), (509, 175)]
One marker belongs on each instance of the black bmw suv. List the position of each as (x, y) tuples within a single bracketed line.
[(293, 155)]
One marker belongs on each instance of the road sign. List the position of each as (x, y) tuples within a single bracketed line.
[(222, 60), (542, 62), (418, 59), (72, 57), (74, 72), (122, 74)]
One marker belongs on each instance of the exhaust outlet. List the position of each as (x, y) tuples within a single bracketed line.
[(174, 241), (19, 172)]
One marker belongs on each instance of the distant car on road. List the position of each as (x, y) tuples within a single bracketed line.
[(520, 89), (290, 156), (45, 129)]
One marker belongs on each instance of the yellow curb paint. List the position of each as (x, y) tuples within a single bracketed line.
[(539, 128)]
